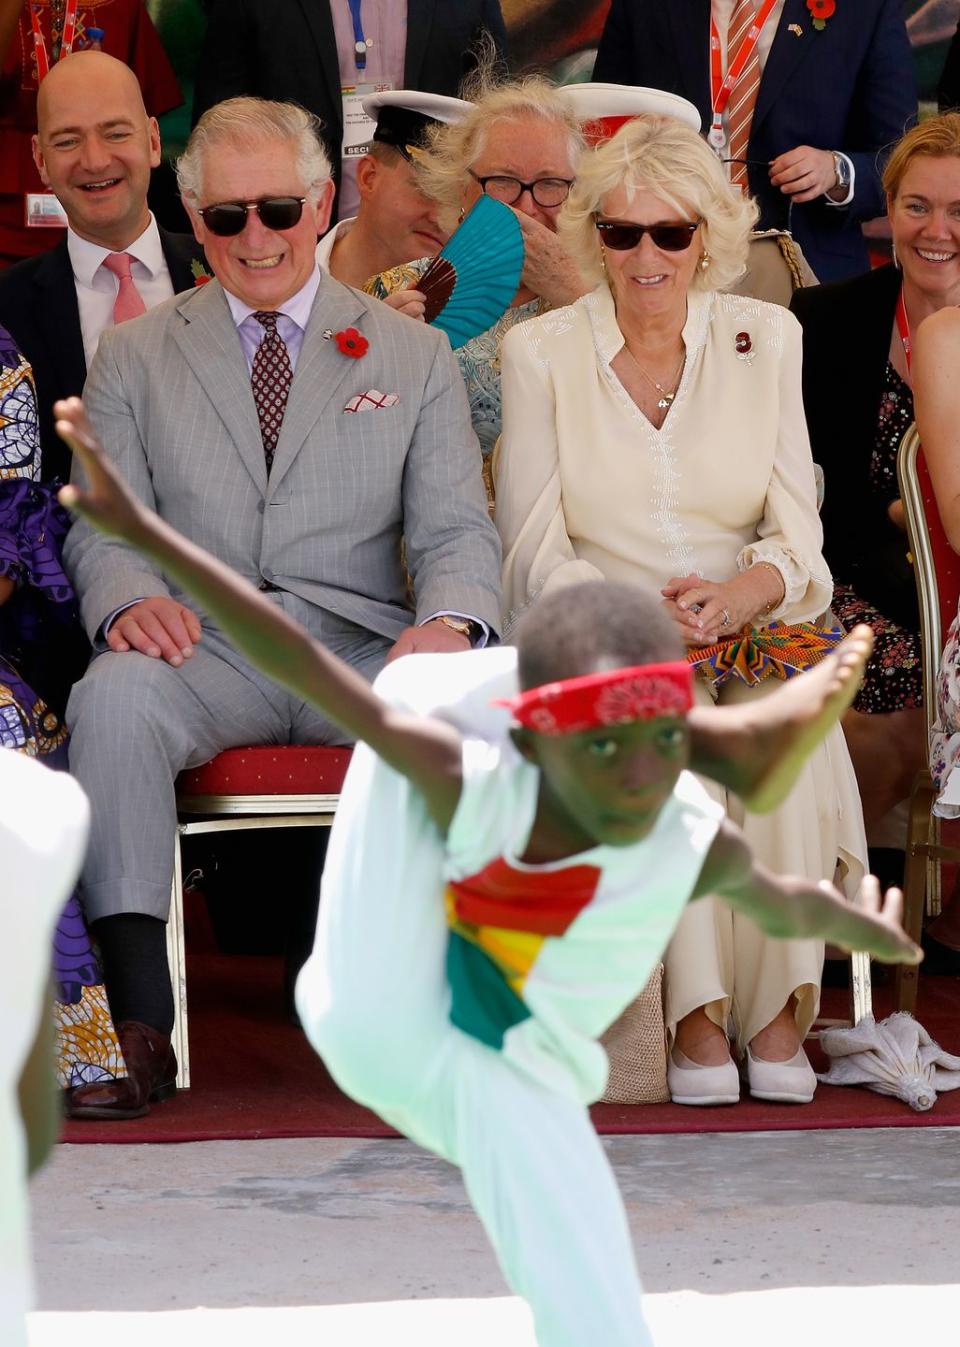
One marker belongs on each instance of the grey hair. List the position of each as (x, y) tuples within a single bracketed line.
[(452, 149), (249, 123), (662, 156)]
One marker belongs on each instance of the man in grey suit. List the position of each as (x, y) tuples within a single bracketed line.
[(300, 431)]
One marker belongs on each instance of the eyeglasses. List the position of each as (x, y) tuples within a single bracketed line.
[(227, 218), (671, 238), (546, 192)]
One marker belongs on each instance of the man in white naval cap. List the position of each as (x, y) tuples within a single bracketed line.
[(395, 222)]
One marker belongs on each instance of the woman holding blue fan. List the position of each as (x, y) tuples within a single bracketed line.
[(653, 433), (518, 145)]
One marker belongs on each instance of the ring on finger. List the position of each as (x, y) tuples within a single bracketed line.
[(696, 608), (725, 619)]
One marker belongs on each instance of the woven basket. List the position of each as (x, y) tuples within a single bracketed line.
[(636, 1048)]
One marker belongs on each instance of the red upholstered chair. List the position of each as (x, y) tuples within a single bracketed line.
[(283, 786), (937, 570)]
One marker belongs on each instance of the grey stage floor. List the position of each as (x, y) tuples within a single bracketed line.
[(758, 1238)]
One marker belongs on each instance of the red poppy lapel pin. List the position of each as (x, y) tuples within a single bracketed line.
[(820, 11), (351, 342), (200, 275)]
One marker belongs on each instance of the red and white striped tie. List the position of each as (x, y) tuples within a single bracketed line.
[(744, 96)]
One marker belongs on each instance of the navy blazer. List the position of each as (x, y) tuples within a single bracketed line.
[(38, 307), (287, 50), (849, 87)]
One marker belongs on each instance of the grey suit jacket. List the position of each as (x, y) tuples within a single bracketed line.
[(170, 396)]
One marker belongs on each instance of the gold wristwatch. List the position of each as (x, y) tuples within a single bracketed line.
[(472, 630)]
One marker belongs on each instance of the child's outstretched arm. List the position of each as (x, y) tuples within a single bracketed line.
[(786, 907), (424, 750)]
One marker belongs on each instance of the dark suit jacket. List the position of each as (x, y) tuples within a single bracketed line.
[(38, 307), (846, 344), (849, 87), (287, 50)]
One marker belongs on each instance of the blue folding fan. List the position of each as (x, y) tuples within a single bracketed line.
[(472, 282)]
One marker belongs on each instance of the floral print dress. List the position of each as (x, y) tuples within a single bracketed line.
[(893, 680)]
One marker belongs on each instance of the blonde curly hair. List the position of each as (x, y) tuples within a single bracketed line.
[(451, 150), (662, 156)]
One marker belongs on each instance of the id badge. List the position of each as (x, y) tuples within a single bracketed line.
[(42, 210), (358, 128)]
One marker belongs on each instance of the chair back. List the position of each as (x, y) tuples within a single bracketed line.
[(936, 565)]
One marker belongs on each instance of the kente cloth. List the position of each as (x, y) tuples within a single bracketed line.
[(753, 654), (129, 302), (270, 379)]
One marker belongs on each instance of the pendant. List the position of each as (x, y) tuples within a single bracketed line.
[(666, 401)]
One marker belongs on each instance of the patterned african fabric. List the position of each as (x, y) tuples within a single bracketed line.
[(32, 526), (776, 651), (479, 358), (945, 735), (893, 680)]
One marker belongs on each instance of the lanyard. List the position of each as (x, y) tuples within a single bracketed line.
[(66, 36), (903, 327), (359, 41), (721, 88)]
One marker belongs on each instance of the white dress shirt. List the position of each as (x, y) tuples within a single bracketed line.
[(291, 325), (97, 287), (330, 239), (722, 13)]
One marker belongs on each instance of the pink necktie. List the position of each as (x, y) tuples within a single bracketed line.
[(744, 96), (129, 302)]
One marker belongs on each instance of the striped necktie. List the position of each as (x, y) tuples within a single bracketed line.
[(743, 99)]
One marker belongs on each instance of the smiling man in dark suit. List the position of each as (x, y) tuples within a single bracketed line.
[(323, 54), (95, 147), (813, 112)]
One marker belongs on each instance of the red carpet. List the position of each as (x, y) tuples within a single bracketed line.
[(255, 1076)]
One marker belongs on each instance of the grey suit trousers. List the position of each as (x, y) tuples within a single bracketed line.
[(138, 722)]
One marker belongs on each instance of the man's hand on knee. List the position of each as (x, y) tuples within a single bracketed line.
[(158, 627)]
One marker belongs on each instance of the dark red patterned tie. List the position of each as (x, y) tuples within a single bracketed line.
[(270, 378)]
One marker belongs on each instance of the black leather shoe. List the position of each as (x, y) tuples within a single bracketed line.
[(151, 1076)]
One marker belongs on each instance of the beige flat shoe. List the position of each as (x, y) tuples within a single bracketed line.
[(790, 1082), (691, 1083)]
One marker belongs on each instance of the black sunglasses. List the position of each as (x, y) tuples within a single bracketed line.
[(230, 217), (671, 238)]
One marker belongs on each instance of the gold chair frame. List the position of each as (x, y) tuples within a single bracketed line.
[(225, 813), (921, 884)]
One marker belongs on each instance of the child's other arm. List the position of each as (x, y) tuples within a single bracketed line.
[(424, 750), (787, 907)]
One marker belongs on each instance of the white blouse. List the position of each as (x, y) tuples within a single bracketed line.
[(587, 488)]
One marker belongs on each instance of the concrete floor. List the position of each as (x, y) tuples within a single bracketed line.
[(772, 1238)]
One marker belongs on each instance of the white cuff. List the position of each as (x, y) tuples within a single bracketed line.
[(832, 200)]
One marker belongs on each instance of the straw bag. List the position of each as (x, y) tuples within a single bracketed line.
[(636, 1047)]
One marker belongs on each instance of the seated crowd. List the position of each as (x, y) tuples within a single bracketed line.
[(647, 410)]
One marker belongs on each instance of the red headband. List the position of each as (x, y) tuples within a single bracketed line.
[(612, 698)]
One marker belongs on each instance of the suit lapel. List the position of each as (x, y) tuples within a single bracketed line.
[(322, 371), (208, 339), (317, 17), (59, 317), (419, 21), (179, 252), (787, 52), (690, 22)]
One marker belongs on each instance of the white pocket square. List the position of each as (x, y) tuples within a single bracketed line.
[(371, 401)]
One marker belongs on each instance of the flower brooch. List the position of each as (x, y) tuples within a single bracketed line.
[(200, 275), (820, 11), (350, 342), (744, 347)]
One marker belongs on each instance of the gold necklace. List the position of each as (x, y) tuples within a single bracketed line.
[(667, 395)]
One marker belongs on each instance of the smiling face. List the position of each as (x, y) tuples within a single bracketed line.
[(260, 266), (609, 784), (95, 147), (528, 149), (925, 223), (646, 279)]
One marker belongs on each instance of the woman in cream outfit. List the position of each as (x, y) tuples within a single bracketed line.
[(654, 433)]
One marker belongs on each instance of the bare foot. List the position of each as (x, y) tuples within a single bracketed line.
[(701, 1040), (758, 748)]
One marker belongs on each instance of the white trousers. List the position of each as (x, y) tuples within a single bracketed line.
[(374, 1000)]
